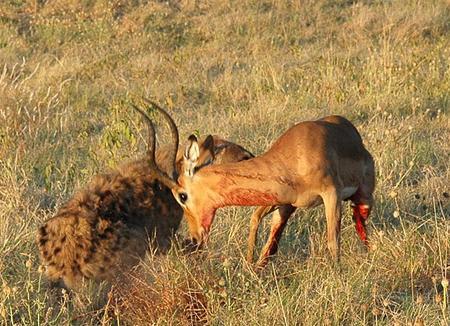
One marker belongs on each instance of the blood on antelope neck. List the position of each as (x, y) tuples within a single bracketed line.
[(207, 219), (249, 197), (238, 197)]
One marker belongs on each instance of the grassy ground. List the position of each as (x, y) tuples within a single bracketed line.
[(246, 70)]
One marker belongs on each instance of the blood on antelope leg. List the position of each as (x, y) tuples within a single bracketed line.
[(360, 215)]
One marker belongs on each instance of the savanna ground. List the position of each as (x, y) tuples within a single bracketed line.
[(246, 70)]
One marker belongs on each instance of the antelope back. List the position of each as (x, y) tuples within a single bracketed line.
[(228, 152)]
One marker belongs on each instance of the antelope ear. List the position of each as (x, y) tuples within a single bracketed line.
[(207, 154), (190, 157), (208, 144)]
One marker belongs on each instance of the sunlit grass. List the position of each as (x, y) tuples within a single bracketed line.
[(246, 71)]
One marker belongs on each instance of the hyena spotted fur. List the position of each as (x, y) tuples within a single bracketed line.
[(107, 226)]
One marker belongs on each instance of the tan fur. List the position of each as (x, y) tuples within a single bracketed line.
[(107, 225), (314, 162)]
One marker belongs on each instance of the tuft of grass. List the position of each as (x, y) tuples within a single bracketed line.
[(245, 71)]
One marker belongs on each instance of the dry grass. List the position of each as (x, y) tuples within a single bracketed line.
[(246, 70), (163, 291)]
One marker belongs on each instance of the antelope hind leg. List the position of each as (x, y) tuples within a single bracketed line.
[(362, 202)]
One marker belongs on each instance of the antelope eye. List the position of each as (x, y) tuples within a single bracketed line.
[(183, 197)]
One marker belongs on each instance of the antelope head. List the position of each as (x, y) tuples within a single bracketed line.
[(198, 215), (182, 173)]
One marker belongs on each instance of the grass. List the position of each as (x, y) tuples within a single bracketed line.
[(247, 71)]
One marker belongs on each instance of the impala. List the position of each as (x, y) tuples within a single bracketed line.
[(314, 162)]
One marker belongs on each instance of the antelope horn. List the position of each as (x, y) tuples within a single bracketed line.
[(156, 171), (175, 138)]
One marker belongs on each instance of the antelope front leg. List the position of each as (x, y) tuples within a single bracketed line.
[(255, 221), (333, 214), (279, 221)]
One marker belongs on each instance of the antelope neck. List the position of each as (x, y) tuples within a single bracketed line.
[(240, 184)]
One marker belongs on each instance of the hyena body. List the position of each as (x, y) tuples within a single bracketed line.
[(110, 224)]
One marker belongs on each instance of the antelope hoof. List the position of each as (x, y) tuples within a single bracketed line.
[(190, 246), (262, 263)]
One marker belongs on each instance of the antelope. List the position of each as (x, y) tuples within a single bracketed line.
[(108, 226), (313, 162)]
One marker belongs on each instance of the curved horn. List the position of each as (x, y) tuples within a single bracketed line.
[(156, 171), (175, 137)]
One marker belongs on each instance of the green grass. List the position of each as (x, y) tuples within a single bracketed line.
[(246, 70)]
